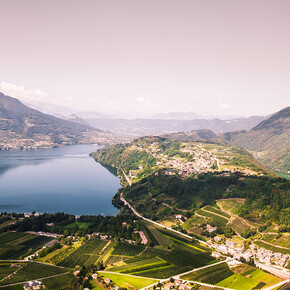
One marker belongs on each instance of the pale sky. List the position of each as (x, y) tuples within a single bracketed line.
[(137, 58)]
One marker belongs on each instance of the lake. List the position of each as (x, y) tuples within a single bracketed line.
[(63, 179)]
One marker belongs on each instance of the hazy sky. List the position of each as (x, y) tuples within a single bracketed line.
[(138, 58)]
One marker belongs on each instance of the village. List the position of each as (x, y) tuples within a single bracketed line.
[(271, 261)]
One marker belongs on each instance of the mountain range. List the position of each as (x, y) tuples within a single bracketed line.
[(141, 127), (24, 127), (269, 141)]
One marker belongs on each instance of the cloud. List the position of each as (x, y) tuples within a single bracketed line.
[(22, 93)]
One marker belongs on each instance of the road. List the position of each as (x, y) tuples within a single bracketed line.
[(150, 221)]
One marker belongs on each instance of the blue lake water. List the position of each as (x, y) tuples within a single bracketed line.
[(62, 179)]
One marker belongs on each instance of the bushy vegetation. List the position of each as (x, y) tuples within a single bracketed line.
[(269, 195)]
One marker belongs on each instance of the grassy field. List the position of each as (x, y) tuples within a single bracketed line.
[(130, 282), (80, 225), (272, 248), (241, 282)]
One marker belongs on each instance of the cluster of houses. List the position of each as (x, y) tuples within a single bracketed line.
[(45, 234), (144, 240), (176, 284), (200, 160), (33, 285), (260, 255)]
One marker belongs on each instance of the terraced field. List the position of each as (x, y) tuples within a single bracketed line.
[(221, 220), (272, 248), (239, 226), (216, 211)]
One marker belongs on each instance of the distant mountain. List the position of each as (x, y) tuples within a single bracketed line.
[(178, 116), (194, 135), (23, 127), (269, 141), (92, 115), (51, 109), (141, 127), (191, 116), (75, 119)]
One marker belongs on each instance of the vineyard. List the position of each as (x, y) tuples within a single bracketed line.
[(87, 254), (62, 282), (222, 221), (217, 211), (161, 240), (7, 269), (272, 248), (14, 245), (123, 249), (158, 263), (211, 275), (238, 225), (33, 271)]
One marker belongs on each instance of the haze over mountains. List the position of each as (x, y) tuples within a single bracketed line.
[(141, 127), (269, 141), (23, 127)]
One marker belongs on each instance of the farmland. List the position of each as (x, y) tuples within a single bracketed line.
[(14, 245), (216, 218), (238, 225), (87, 254), (129, 281), (157, 263), (32, 271), (62, 282), (216, 211), (211, 275), (248, 278), (272, 247)]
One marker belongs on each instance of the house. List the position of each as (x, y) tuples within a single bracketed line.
[(210, 229), (95, 276), (217, 239), (167, 286), (107, 280)]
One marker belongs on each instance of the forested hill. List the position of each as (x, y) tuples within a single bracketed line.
[(269, 141), (24, 127), (146, 155), (267, 198)]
